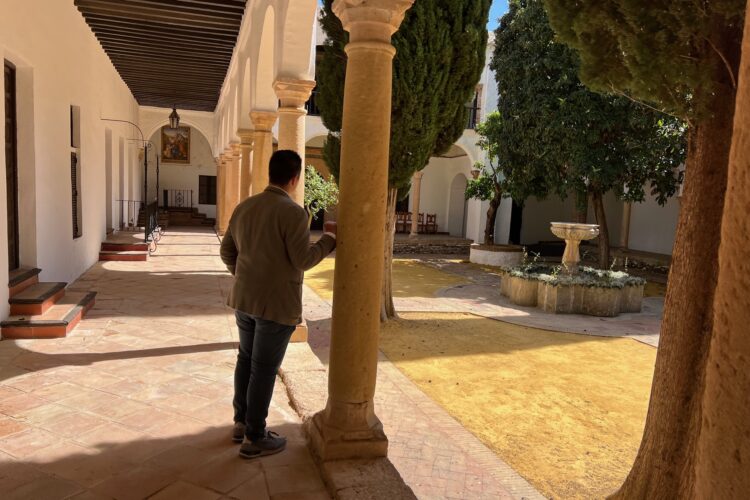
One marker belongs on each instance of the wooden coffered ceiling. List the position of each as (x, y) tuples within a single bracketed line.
[(169, 52)]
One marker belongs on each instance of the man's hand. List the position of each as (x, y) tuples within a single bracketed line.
[(329, 227)]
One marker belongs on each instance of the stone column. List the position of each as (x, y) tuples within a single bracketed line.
[(246, 162), (627, 210), (262, 148), (416, 186), (293, 95), (348, 427), (233, 179), (219, 193)]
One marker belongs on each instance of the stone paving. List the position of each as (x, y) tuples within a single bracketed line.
[(136, 402)]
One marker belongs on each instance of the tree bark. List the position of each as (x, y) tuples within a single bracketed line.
[(723, 455), (388, 309), (581, 211), (601, 219), (664, 465), (489, 228)]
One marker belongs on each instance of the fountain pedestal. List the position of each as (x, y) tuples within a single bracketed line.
[(573, 234)]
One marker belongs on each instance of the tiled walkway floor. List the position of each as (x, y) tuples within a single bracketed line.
[(136, 402)]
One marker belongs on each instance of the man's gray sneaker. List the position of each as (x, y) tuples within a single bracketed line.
[(269, 444), (238, 432)]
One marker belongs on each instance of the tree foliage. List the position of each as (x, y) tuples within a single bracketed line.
[(320, 193), (440, 50), (562, 138), (660, 51)]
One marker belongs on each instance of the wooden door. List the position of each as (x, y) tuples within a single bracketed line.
[(11, 165)]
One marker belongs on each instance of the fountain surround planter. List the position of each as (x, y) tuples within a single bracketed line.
[(496, 255), (556, 293)]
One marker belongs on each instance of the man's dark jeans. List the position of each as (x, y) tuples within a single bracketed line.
[(262, 348)]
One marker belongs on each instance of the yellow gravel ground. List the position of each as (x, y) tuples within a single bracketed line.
[(566, 411), (410, 279)]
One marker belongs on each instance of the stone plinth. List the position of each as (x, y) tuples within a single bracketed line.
[(496, 255)]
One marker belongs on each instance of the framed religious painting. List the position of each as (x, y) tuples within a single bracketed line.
[(175, 144)]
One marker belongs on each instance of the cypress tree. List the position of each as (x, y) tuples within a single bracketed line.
[(681, 56), (440, 53)]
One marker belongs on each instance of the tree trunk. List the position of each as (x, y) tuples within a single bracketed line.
[(723, 453), (489, 228), (664, 465), (601, 219), (388, 309), (581, 213)]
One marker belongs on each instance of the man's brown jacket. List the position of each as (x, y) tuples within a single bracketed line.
[(267, 248)]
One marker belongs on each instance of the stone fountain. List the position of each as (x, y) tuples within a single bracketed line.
[(573, 234)]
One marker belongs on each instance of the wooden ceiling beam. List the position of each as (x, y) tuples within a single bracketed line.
[(137, 11), (98, 23)]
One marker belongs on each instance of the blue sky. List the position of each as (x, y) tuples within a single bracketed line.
[(499, 7)]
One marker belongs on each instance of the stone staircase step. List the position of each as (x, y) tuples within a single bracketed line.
[(124, 247), (37, 298), (123, 255), (57, 321), (22, 278)]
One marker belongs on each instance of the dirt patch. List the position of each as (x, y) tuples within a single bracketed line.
[(566, 411), (410, 279)]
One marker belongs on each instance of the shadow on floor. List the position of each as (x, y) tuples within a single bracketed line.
[(184, 465)]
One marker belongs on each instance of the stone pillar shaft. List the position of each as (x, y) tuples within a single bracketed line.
[(293, 94), (233, 196), (262, 149), (246, 163), (416, 187), (220, 194), (348, 426)]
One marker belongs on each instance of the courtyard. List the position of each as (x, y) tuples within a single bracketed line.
[(136, 402)]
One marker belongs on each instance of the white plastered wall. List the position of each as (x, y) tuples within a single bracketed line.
[(652, 226), (59, 63)]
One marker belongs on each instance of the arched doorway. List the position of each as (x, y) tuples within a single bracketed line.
[(457, 206)]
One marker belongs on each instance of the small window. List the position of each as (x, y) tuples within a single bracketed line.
[(473, 107), (75, 171), (207, 189)]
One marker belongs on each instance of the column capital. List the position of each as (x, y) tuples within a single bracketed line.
[(263, 120), (418, 175), (246, 136), (383, 17), (292, 92), (235, 149)]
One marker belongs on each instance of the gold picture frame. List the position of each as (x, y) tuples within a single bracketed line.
[(175, 144)]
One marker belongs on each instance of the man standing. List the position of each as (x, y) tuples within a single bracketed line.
[(267, 248)]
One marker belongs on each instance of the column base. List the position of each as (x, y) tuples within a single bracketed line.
[(331, 443), (300, 332)]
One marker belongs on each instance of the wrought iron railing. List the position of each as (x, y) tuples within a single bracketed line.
[(129, 213), (473, 117), (177, 198), (152, 230)]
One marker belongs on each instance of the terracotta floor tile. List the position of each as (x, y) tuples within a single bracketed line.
[(312, 495), (182, 490), (111, 434), (179, 459), (28, 442), (225, 472), (57, 392), (16, 405), (8, 392), (10, 426), (293, 479), (134, 484), (253, 489), (47, 488)]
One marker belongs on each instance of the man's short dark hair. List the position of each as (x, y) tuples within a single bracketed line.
[(285, 165)]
